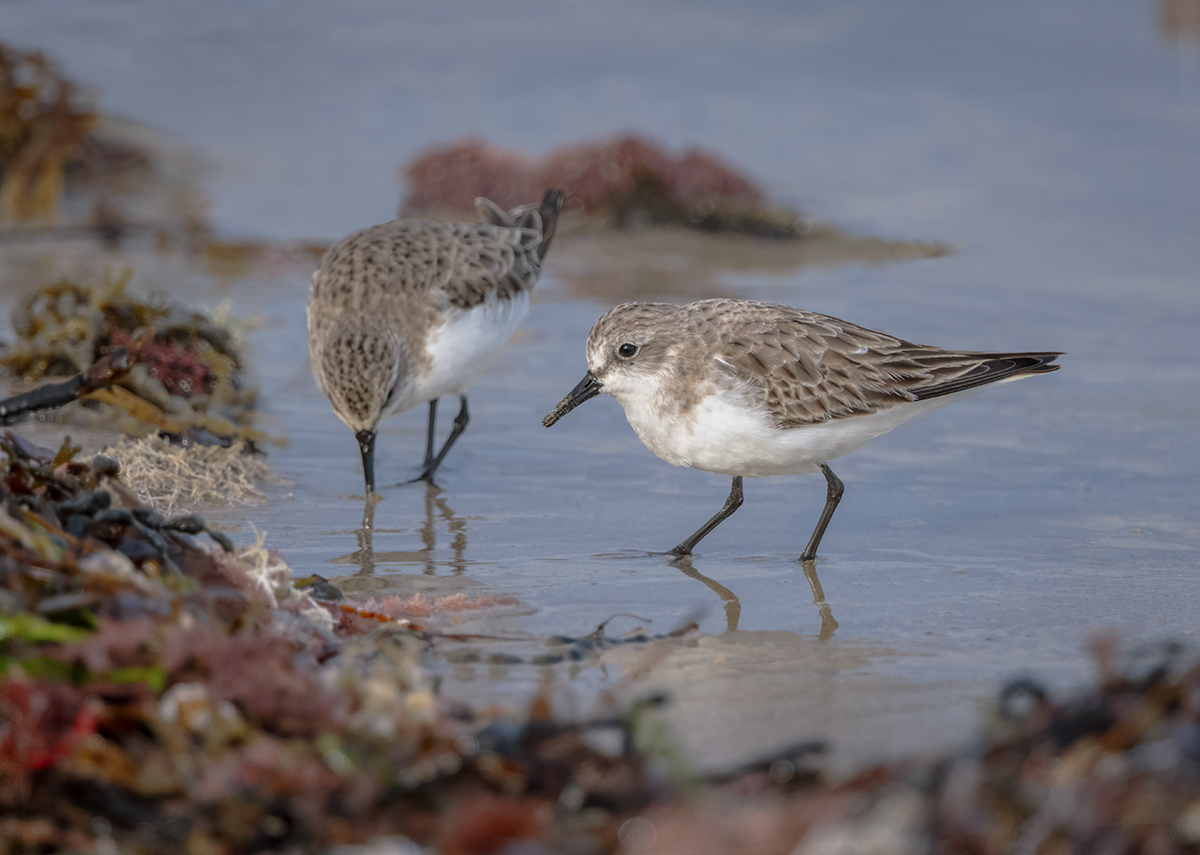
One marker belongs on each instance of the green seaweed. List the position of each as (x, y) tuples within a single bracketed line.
[(37, 630)]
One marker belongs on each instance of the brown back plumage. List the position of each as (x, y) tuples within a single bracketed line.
[(814, 367), (809, 367), (466, 262)]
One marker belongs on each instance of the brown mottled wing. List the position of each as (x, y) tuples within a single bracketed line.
[(489, 261), (813, 368), (503, 255), (465, 262)]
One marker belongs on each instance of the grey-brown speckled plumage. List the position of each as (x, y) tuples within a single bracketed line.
[(386, 298), (809, 367), (750, 389)]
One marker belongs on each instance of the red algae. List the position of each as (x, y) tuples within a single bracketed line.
[(178, 368), (627, 181), (420, 605), (449, 178)]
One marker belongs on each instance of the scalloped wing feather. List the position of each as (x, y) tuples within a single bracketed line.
[(811, 368)]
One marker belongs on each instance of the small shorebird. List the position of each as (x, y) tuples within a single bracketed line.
[(748, 389), (405, 312)]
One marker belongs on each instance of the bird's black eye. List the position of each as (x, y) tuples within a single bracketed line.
[(627, 350)]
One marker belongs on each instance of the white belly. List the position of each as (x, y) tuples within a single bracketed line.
[(723, 435), (463, 349)]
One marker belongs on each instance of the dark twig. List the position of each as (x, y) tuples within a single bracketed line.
[(101, 374)]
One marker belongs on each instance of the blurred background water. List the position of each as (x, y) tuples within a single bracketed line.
[(1055, 145)]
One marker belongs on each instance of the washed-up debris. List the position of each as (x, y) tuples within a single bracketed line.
[(422, 605), (172, 477), (356, 616), (61, 174), (185, 378), (70, 171), (45, 130), (625, 182), (100, 375), (160, 693), (157, 696)]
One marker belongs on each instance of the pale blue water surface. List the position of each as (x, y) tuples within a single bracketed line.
[(1055, 144)]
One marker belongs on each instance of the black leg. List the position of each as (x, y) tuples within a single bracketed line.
[(429, 435), (366, 445), (460, 424), (832, 497), (731, 504)]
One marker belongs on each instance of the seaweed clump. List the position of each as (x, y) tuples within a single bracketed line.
[(187, 380), (160, 696), (157, 696), (626, 182), (64, 169), (45, 129), (170, 477)]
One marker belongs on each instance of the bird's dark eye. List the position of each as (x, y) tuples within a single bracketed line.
[(627, 350)]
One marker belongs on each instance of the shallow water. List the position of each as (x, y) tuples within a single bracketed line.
[(1057, 146)]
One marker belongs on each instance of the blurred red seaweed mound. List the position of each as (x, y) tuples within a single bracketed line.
[(597, 173), (1180, 19), (449, 178), (625, 182)]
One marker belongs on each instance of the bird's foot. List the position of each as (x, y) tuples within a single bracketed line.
[(677, 555), (426, 476)]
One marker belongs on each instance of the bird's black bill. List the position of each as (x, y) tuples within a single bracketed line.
[(589, 387), (366, 444)]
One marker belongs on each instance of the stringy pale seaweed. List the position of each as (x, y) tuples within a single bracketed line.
[(178, 479)]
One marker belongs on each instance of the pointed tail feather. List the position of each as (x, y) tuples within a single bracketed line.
[(549, 210), (992, 368)]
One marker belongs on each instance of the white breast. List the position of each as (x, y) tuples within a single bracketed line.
[(725, 434), (464, 348)]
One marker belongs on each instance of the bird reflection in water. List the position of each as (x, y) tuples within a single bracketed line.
[(828, 624), (436, 510), (733, 608)]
